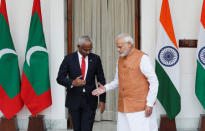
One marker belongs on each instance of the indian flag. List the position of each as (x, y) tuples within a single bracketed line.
[(167, 64), (200, 73)]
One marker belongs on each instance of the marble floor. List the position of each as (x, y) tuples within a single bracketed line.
[(103, 126)]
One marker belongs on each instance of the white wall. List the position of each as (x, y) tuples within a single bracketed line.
[(19, 15), (186, 19)]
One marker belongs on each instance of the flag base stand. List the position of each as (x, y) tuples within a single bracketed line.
[(36, 123), (202, 123), (69, 122), (166, 124), (8, 125)]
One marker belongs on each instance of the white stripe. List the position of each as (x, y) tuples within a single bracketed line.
[(201, 41), (173, 72)]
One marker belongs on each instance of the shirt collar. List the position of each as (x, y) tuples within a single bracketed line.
[(80, 55)]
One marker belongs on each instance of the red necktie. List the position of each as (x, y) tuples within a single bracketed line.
[(83, 67)]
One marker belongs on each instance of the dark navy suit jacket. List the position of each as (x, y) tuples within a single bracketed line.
[(70, 70)]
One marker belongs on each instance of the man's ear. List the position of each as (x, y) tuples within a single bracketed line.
[(129, 44)]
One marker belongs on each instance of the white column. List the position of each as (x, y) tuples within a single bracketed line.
[(57, 47), (148, 27), (149, 21)]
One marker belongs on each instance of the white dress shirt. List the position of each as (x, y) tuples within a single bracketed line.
[(86, 63), (149, 72)]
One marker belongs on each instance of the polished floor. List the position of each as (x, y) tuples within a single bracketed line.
[(103, 126)]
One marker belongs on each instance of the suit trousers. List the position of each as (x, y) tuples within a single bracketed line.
[(83, 117)]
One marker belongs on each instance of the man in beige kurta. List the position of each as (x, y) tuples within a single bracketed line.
[(138, 86)]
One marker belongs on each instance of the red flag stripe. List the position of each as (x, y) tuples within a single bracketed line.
[(10, 107), (3, 10), (34, 103), (37, 8)]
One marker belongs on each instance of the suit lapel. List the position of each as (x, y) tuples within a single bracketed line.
[(76, 63), (90, 61)]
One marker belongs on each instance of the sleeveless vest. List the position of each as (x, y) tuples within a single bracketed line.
[(133, 85)]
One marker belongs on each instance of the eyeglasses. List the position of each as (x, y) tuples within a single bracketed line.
[(86, 50)]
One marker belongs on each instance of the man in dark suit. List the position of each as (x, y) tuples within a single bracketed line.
[(77, 73)]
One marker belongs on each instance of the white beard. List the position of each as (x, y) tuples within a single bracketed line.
[(125, 53)]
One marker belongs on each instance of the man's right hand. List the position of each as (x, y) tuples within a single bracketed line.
[(100, 90), (148, 111), (78, 81)]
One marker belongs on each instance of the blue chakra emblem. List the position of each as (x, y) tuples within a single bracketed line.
[(168, 56), (201, 55)]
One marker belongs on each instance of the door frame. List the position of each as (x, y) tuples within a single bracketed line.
[(137, 25)]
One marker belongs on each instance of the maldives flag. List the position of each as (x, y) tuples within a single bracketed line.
[(167, 64), (200, 73), (10, 99), (36, 92)]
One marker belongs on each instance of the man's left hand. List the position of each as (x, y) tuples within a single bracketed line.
[(148, 111), (101, 105)]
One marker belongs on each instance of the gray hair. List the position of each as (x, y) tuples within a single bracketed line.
[(84, 39), (126, 37)]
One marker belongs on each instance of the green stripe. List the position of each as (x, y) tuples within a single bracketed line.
[(5, 36), (9, 76), (9, 71), (167, 93), (200, 84), (36, 35), (38, 71)]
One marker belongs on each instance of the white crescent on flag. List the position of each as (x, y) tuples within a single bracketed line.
[(7, 51), (32, 50)]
